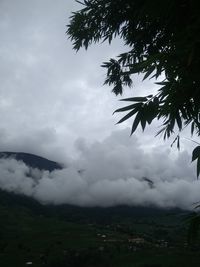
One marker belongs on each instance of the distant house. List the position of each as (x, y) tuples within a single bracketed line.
[(136, 240), (111, 240)]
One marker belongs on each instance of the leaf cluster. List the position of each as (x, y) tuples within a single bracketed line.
[(145, 108), (162, 39)]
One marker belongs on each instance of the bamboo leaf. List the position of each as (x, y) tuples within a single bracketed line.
[(135, 99), (148, 73), (135, 123), (130, 114), (179, 121), (196, 153), (198, 167), (127, 107)]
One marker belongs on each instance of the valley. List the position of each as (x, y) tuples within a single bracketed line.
[(58, 236), (32, 234)]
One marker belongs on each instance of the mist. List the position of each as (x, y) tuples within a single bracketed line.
[(115, 171)]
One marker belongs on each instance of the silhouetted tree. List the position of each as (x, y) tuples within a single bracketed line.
[(162, 40)]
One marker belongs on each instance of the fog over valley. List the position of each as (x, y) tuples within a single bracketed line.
[(112, 172)]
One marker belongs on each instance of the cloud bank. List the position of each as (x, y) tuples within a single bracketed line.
[(107, 173)]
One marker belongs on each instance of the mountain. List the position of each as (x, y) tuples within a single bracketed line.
[(33, 161), (69, 236), (101, 215), (74, 213)]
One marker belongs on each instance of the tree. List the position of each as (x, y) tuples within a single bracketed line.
[(162, 40)]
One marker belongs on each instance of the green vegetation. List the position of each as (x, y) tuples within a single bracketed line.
[(68, 236)]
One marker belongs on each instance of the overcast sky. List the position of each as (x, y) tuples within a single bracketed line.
[(49, 94), (52, 99)]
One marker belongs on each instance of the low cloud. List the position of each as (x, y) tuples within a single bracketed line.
[(112, 172)]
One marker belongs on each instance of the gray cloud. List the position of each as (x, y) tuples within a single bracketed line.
[(45, 85)]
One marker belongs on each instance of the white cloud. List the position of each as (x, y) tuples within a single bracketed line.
[(107, 173)]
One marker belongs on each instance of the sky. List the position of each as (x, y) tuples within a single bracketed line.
[(53, 104)]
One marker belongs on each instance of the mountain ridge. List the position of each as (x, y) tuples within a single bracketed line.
[(32, 160), (74, 213)]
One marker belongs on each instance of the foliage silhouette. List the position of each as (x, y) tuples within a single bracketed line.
[(162, 41)]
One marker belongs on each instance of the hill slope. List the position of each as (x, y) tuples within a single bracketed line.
[(33, 161), (71, 236)]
